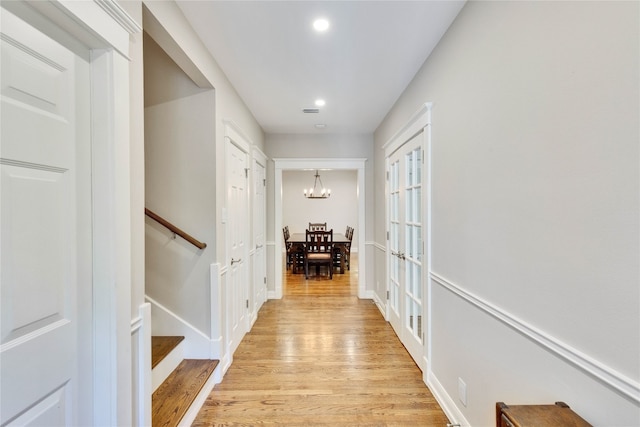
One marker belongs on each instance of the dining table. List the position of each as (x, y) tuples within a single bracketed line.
[(339, 241)]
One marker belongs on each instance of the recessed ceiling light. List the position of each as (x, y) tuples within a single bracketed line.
[(320, 103), (321, 24), (320, 126)]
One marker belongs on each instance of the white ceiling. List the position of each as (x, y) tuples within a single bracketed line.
[(280, 65)]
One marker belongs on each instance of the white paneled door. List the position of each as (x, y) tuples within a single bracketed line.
[(45, 255), (406, 245), (259, 293), (238, 289)]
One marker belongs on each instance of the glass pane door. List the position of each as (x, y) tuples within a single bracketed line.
[(394, 244), (406, 247), (413, 244)]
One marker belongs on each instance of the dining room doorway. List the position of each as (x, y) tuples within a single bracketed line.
[(299, 167), (337, 210)]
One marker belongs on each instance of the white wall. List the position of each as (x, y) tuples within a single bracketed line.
[(180, 161), (338, 211), (168, 26), (192, 115), (535, 211)]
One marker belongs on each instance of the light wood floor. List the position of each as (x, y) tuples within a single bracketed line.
[(321, 356)]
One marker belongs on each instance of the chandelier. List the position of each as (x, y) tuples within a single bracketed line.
[(315, 192)]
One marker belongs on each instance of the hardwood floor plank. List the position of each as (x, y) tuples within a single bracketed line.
[(161, 346), (321, 356), (174, 396)]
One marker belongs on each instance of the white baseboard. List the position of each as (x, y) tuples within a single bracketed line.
[(222, 368), (381, 304), (273, 295), (368, 294), (445, 401)]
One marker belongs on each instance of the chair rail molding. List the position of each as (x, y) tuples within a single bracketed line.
[(605, 374), (380, 247)]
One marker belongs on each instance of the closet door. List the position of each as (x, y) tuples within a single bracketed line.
[(238, 273), (406, 246), (45, 238), (259, 294)]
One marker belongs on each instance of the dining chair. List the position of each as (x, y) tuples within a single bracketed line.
[(318, 250), (317, 226), (287, 244), (294, 252), (343, 250), (347, 247)]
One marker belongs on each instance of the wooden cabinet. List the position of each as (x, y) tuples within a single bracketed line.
[(558, 415)]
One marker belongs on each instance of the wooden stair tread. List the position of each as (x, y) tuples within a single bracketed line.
[(174, 396), (161, 346)]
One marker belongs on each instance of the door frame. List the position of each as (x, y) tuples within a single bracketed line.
[(419, 122), (308, 163), (104, 28)]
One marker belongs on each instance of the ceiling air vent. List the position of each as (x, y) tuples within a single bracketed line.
[(310, 110)]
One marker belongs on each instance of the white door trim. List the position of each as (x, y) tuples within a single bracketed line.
[(237, 135), (416, 123), (309, 163), (104, 27)]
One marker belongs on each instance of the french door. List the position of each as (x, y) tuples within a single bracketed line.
[(406, 254)]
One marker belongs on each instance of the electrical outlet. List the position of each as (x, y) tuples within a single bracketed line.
[(462, 391)]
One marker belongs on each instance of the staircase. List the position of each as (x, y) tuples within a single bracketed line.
[(177, 382)]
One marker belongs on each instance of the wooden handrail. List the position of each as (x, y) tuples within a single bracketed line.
[(198, 244)]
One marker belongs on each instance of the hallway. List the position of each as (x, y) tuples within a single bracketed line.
[(321, 356)]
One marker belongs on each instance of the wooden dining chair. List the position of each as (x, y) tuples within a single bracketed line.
[(347, 247), (343, 250), (295, 252), (287, 244), (317, 226), (318, 251)]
